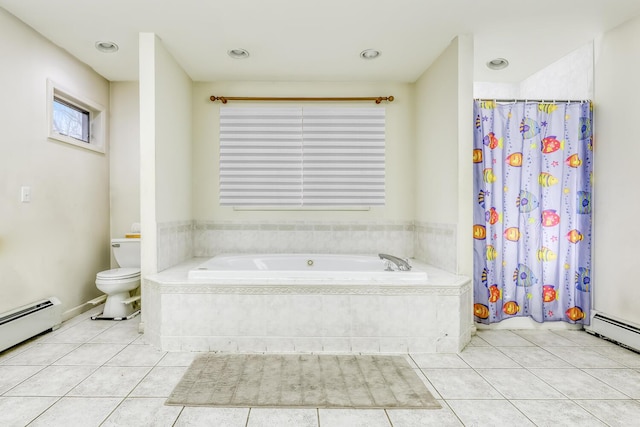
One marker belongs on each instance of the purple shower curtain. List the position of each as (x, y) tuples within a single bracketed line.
[(532, 211)]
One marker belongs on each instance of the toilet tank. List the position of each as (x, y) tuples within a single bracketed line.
[(126, 252)]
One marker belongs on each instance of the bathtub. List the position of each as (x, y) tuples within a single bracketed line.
[(306, 303), (286, 268)]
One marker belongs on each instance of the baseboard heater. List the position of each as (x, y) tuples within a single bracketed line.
[(28, 321), (622, 332)]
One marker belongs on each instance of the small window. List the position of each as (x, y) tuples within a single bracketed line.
[(75, 120), (70, 120)]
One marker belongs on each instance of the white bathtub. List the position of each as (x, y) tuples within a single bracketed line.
[(306, 303), (285, 268)]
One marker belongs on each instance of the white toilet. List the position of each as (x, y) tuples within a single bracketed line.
[(118, 282)]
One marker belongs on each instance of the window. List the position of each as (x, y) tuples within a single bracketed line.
[(302, 157), (75, 120), (70, 120)]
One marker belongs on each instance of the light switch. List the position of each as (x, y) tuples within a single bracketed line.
[(25, 194)]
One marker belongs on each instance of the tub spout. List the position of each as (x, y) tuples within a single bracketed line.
[(400, 263)]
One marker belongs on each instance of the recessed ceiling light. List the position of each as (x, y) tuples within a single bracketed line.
[(238, 53), (370, 54), (107, 47), (498, 64)]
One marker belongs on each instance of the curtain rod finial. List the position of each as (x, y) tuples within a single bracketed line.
[(391, 98)]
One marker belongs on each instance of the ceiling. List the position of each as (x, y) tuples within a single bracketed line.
[(320, 40)]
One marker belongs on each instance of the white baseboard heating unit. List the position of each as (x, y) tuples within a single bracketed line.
[(622, 332), (27, 321)]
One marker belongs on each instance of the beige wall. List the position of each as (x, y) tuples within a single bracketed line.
[(165, 147), (55, 245), (443, 117), (616, 205), (399, 148), (173, 139), (436, 115), (165, 144), (124, 157)]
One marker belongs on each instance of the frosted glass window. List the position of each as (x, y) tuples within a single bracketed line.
[(302, 156)]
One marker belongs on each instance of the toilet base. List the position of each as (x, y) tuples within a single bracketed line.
[(115, 306), (103, 317)]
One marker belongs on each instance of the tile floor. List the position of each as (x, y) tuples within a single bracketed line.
[(101, 373)]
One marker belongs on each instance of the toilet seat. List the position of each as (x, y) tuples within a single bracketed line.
[(119, 274)]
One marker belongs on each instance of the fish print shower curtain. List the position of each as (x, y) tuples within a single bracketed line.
[(532, 211)]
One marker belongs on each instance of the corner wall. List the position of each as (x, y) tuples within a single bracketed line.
[(616, 173), (165, 160), (165, 157), (124, 164), (443, 117), (54, 245)]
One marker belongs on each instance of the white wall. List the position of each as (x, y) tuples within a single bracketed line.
[(570, 77), (173, 139), (165, 145), (399, 147), (436, 112), (616, 173), (443, 113), (165, 152), (55, 245), (124, 157)]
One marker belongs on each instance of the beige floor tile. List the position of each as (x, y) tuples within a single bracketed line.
[(20, 411), (268, 417), (108, 381), (143, 412), (489, 413), (160, 382), (426, 417), (52, 381), (616, 413), (461, 384), (353, 418), (219, 417), (77, 412), (556, 413)]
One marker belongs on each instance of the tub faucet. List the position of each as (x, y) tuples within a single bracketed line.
[(400, 263)]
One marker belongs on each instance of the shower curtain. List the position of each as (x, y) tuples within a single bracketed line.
[(532, 211)]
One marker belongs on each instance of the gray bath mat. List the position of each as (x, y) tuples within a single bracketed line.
[(301, 381)]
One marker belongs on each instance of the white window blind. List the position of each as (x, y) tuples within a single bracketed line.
[(302, 156)]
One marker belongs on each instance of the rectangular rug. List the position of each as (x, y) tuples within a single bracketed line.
[(301, 381)]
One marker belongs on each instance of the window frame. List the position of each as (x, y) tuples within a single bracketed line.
[(96, 112)]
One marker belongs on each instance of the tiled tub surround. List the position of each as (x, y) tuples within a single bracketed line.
[(213, 237), (312, 316), (175, 243), (436, 244), (431, 243)]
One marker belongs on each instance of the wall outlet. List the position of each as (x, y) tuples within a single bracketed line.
[(25, 194)]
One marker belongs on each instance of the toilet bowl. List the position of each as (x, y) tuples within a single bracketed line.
[(117, 283)]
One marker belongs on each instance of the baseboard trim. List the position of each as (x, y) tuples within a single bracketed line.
[(73, 312)]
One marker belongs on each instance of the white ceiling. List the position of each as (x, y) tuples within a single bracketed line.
[(320, 40)]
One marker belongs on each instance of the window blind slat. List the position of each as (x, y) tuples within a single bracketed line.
[(296, 156)]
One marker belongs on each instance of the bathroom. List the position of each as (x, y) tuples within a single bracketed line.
[(169, 183), (160, 169)]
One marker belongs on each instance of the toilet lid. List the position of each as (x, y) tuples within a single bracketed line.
[(119, 273)]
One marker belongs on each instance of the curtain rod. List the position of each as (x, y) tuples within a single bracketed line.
[(551, 101), (224, 99)]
